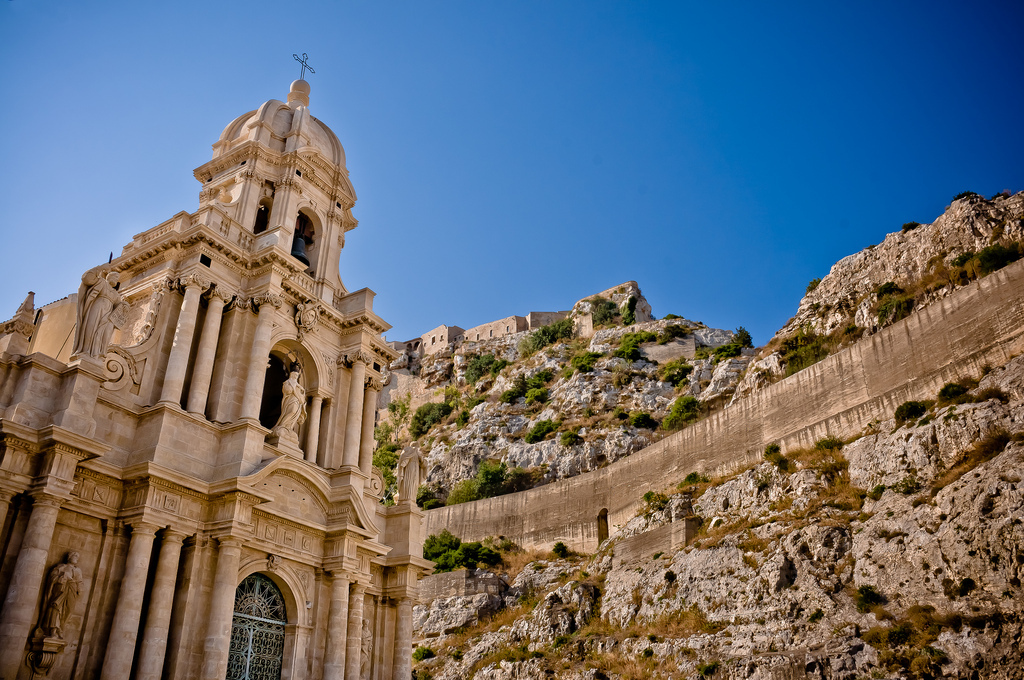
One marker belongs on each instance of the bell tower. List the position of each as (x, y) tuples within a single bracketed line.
[(280, 172)]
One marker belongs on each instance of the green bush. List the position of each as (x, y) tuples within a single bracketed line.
[(743, 338), (546, 335), (876, 493), (773, 454), (560, 550), (706, 670), (540, 431), (995, 257), (385, 458), (642, 419), (733, 349), (671, 332), (421, 653), (675, 372), (895, 307), (867, 597), (803, 349), (951, 391), (521, 385), (669, 317), (685, 410), (818, 615), (426, 417), (963, 258), (571, 438), (909, 410), (438, 544), (828, 443), (696, 478), (629, 345), (629, 316), (463, 418), (655, 501), (584, 361), (477, 366), (538, 395), (812, 285), (887, 288), (907, 486), (603, 311), (465, 491), (490, 477), (910, 226), (450, 553), (965, 194)]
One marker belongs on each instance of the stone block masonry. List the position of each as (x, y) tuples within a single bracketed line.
[(981, 324)]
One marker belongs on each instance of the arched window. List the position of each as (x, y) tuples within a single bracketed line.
[(270, 409), (262, 216), (257, 631)]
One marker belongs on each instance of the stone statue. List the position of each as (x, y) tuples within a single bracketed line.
[(411, 472), (97, 303), (367, 650), (61, 593), (293, 406)]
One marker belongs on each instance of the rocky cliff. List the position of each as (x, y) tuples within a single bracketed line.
[(909, 270), (895, 555)]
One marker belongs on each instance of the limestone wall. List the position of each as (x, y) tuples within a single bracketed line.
[(495, 329), (980, 324)]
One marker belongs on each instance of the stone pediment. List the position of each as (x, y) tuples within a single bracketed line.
[(293, 492)]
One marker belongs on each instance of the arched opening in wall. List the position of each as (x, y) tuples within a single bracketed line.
[(277, 373), (257, 630), (602, 526), (262, 215), (305, 240)]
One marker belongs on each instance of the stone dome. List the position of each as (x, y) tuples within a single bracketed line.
[(283, 127)]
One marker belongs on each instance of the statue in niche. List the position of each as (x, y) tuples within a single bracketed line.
[(100, 310), (62, 588), (367, 650), (293, 406), (412, 470)]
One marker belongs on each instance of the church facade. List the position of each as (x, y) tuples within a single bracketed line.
[(186, 478)]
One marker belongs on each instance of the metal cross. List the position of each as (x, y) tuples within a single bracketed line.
[(305, 66)]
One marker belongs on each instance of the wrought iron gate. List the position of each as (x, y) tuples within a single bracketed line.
[(257, 631)]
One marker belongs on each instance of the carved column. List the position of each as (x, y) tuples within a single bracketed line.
[(222, 606), (177, 361), (337, 630), (161, 599), (313, 432), (402, 665), (203, 371), (354, 421), (124, 631), (373, 388), (5, 505), (19, 608), (353, 655), (253, 396)]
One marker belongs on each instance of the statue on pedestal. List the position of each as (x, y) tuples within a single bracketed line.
[(293, 407), (62, 589), (100, 309), (411, 472)]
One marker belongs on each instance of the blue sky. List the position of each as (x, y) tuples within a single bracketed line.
[(517, 156)]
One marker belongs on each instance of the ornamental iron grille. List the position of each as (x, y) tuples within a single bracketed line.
[(257, 631)]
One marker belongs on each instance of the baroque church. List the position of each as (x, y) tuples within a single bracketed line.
[(186, 477)]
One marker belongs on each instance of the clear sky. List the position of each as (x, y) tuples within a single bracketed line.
[(516, 156)]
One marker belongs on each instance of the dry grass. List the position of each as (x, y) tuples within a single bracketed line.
[(515, 562), (984, 449), (632, 667)]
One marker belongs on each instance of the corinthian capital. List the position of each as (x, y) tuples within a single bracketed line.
[(373, 384), (194, 280), (267, 299)]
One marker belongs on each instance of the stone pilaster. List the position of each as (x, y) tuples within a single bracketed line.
[(177, 361), (354, 651), (124, 631), (20, 608), (205, 355), (257, 373), (337, 630), (313, 432), (161, 599), (402, 665), (373, 388), (222, 606), (354, 421)]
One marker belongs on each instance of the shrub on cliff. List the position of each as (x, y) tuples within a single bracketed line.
[(603, 311), (629, 316), (743, 338), (685, 410), (482, 364), (522, 385), (909, 410), (803, 349), (642, 419), (629, 345), (675, 372), (671, 332), (546, 335), (812, 285), (540, 431), (426, 417), (584, 361), (450, 553), (537, 395)]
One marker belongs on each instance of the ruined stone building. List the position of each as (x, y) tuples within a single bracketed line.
[(186, 479)]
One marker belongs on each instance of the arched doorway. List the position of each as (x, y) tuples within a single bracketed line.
[(602, 526), (257, 631)]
